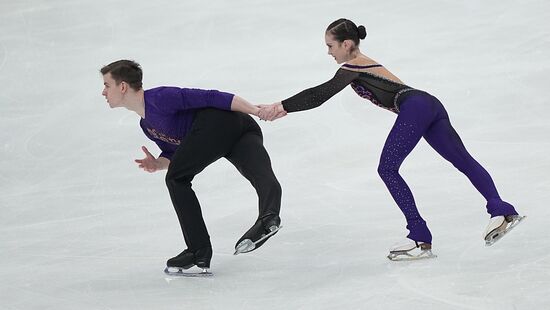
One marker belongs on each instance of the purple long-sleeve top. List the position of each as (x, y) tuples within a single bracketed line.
[(170, 111)]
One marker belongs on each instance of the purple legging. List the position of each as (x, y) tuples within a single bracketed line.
[(422, 115)]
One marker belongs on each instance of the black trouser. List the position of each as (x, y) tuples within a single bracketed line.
[(216, 134)]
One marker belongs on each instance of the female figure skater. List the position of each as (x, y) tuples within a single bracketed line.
[(194, 128), (419, 114)]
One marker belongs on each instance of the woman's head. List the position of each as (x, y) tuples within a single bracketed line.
[(342, 38)]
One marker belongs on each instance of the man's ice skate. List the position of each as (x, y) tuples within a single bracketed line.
[(410, 250), (179, 265), (258, 234), (499, 226)]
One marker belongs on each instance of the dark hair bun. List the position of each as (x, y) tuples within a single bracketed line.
[(362, 32)]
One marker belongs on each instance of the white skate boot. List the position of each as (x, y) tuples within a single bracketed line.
[(499, 226), (410, 250)]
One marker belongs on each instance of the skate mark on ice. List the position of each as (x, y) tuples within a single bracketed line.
[(459, 303)]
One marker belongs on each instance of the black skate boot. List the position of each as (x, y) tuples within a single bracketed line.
[(257, 235), (187, 259)]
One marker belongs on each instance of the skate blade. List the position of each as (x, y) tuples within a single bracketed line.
[(180, 272), (497, 234), (405, 256), (247, 245)]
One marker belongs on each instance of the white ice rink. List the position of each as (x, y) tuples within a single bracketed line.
[(81, 227)]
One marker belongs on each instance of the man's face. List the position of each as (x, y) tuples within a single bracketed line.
[(112, 92)]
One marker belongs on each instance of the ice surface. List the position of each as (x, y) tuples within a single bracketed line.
[(82, 228)]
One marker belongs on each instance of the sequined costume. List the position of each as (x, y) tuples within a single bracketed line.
[(419, 114)]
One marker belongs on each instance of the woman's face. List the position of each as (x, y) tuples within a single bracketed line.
[(339, 50)]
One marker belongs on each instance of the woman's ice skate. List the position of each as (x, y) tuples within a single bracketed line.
[(410, 250), (499, 226)]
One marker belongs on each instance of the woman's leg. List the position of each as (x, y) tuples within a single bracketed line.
[(414, 118), (445, 140)]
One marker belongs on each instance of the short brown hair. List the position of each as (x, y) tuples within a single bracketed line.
[(127, 71)]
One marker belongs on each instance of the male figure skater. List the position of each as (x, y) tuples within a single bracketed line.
[(194, 128)]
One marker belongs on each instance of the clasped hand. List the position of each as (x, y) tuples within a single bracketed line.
[(271, 112)]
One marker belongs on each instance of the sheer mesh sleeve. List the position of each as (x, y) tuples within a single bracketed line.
[(315, 96)]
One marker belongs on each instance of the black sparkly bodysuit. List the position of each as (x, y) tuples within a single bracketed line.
[(379, 90)]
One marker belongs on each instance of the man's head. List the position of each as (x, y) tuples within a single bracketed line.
[(118, 78)]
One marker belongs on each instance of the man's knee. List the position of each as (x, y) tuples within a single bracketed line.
[(173, 177), (276, 188)]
